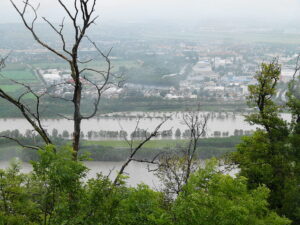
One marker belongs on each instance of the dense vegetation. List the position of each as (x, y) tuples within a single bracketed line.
[(55, 193), (271, 155)]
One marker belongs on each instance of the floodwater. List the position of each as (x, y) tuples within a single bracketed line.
[(223, 122), (137, 172)]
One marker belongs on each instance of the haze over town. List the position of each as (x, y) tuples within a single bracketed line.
[(270, 12), (156, 112)]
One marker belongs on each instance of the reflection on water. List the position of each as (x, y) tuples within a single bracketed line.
[(222, 122)]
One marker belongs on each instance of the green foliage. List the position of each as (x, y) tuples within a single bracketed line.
[(293, 95), (265, 162), (271, 156), (57, 192), (17, 205), (211, 198), (253, 157), (142, 206), (292, 197), (51, 194), (24, 75), (57, 176), (261, 95)]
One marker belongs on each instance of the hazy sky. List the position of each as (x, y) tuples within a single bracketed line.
[(173, 10)]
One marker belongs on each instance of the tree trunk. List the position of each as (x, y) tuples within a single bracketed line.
[(77, 105)]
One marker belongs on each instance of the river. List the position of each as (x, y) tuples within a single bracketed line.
[(138, 172), (223, 122)]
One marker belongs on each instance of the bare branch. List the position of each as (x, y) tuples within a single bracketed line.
[(135, 150), (30, 27), (297, 67), (84, 62), (175, 169), (31, 117), (19, 143), (65, 117), (81, 14), (59, 32), (153, 161), (105, 75)]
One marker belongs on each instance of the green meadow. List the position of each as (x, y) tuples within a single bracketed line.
[(19, 75), (124, 144)]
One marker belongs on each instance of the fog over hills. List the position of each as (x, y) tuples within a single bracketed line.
[(255, 12)]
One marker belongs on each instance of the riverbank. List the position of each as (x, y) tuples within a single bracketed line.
[(219, 124), (52, 107), (118, 150)]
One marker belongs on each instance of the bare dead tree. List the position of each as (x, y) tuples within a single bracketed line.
[(2, 63), (135, 149), (293, 93), (197, 127), (81, 15), (32, 115), (175, 169)]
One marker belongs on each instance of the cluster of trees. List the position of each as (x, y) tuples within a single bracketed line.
[(55, 193), (271, 156), (107, 134), (32, 136), (15, 133), (138, 133), (237, 132), (242, 132), (27, 140)]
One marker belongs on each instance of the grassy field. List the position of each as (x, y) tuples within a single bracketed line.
[(23, 75), (7, 152), (123, 144), (118, 150), (165, 143), (19, 75), (97, 65), (10, 88), (16, 66)]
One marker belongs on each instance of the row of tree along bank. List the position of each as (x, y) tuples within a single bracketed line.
[(121, 135), (117, 150)]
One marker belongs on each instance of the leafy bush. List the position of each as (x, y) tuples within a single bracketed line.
[(58, 192)]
